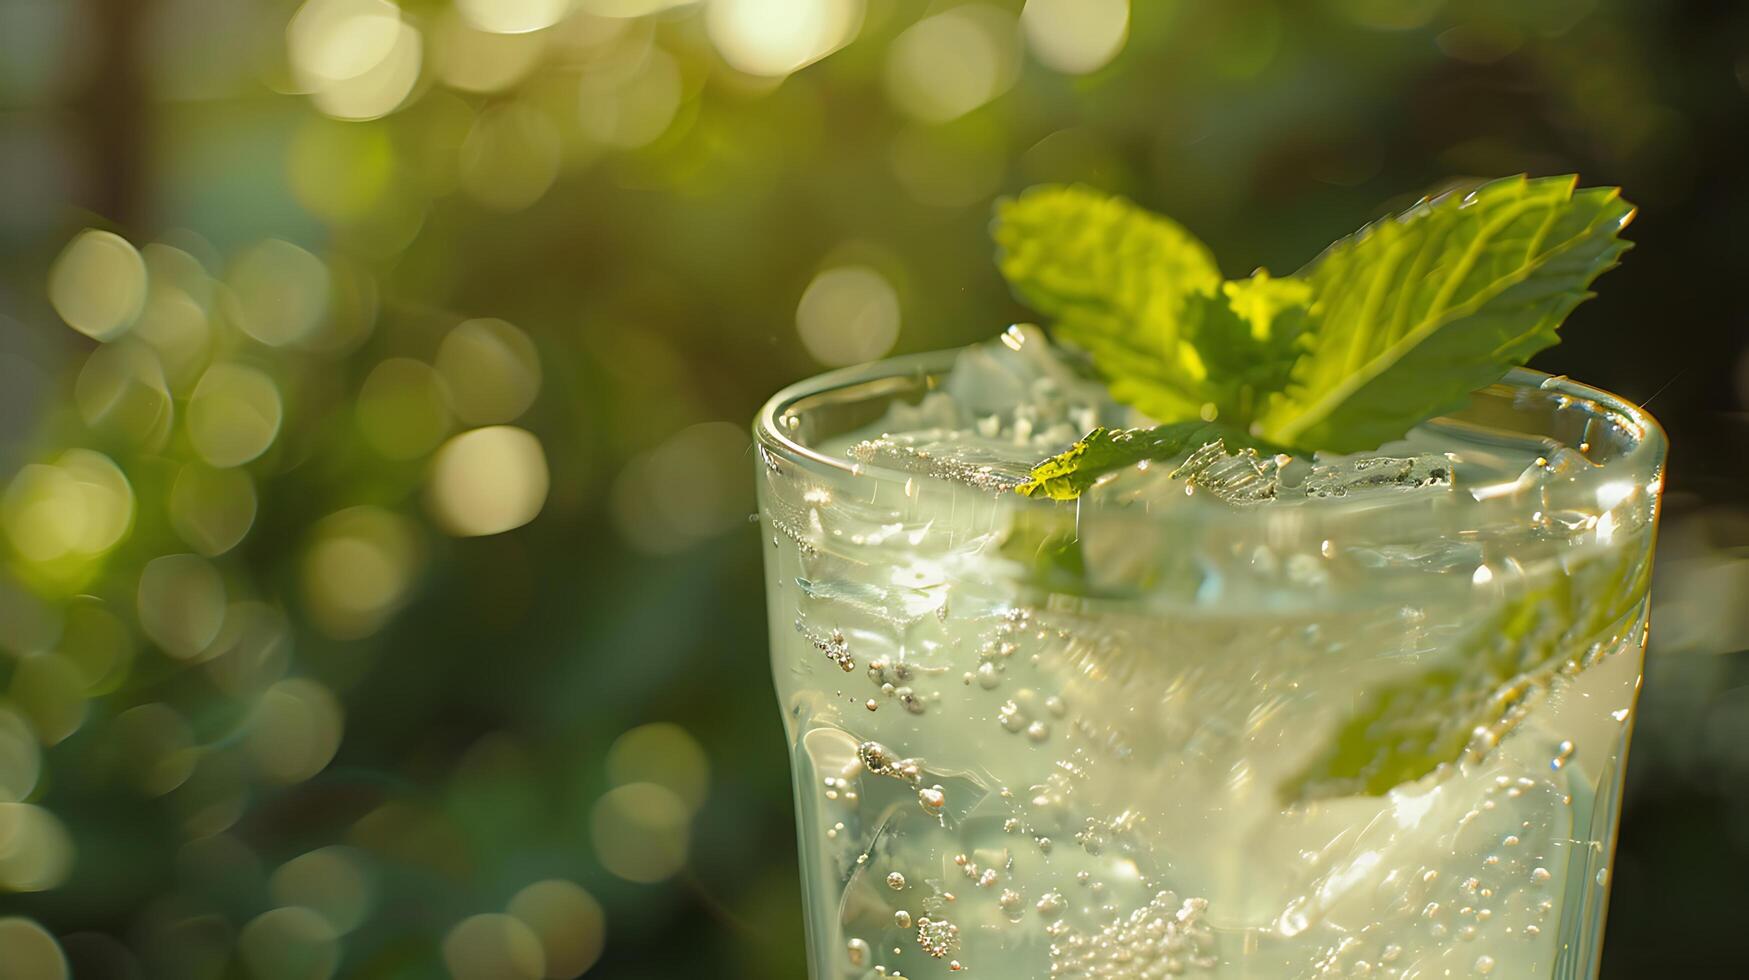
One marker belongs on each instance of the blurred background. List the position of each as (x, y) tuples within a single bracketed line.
[(377, 595)]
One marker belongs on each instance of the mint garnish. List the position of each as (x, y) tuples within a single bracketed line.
[(1479, 691), (1395, 324)]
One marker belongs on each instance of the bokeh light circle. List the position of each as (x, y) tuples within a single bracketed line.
[(181, 604), (81, 504), (487, 481), (664, 754), (30, 952), (776, 37), (358, 570), (491, 371), (97, 643), (948, 64), (568, 922), (510, 157), (289, 943), (330, 881), (513, 16), (234, 414), (50, 691), (20, 757), (212, 509), (493, 946), (122, 391), (98, 284), (278, 292), (402, 409), (36, 852), (848, 315), (641, 832), (1076, 37), (294, 731), (691, 487), (157, 747)]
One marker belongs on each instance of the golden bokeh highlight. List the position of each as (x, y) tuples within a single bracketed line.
[(97, 643), (289, 943), (211, 510), (951, 63), (641, 832), (773, 38), (157, 747), (691, 487), (176, 326), (510, 157), (211, 801), (513, 16), (31, 952), (567, 920), (50, 691), (358, 570), (632, 109), (493, 946), (664, 754), (357, 59), (491, 371), (473, 60), (1075, 37), (402, 409), (278, 292), (294, 731), (950, 166), (252, 650), (181, 604), (98, 284), (487, 481), (848, 315), (81, 505), (234, 414), (121, 392), (332, 882), (20, 757), (36, 852)]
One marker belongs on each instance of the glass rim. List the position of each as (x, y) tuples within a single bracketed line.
[(1642, 462)]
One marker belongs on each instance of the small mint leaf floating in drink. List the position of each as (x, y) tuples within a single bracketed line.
[(1387, 328), (1068, 474), (1468, 699)]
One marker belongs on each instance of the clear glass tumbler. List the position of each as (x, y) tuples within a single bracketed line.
[(1376, 736)]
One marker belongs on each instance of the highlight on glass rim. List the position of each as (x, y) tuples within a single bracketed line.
[(1235, 489)]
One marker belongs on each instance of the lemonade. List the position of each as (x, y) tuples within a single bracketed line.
[(1225, 716)]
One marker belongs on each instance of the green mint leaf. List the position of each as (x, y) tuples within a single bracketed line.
[(1413, 313), (1068, 474), (1469, 699), (1116, 279)]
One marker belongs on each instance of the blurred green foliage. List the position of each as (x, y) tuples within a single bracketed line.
[(377, 598)]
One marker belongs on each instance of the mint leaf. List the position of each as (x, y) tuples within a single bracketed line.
[(1475, 694), (1413, 313), (1116, 278), (1068, 474)]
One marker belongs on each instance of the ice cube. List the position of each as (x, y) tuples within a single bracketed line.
[(1243, 477), (955, 456), (1366, 476)]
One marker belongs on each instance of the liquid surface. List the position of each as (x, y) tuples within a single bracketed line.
[(1328, 717)]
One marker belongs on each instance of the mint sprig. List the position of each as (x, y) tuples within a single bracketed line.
[(1388, 327)]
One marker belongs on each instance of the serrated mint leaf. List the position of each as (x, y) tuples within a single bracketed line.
[(1413, 313), (1116, 279), (1467, 701), (1068, 474)]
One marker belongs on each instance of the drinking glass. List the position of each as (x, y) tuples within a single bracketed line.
[(1374, 735)]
